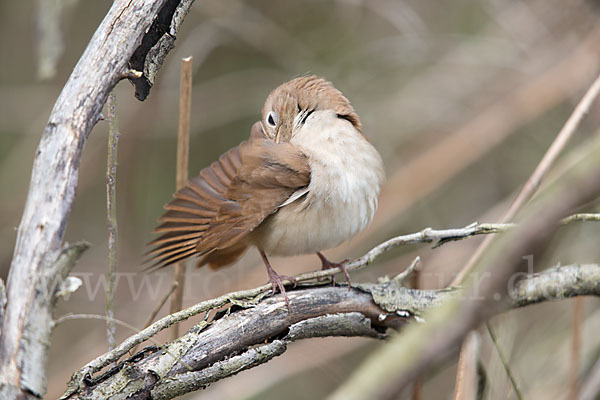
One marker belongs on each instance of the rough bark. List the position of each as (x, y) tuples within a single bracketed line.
[(26, 326), (242, 338)]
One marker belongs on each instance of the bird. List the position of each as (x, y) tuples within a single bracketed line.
[(306, 180)]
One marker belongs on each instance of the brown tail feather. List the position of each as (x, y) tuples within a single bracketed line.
[(173, 237), (184, 220), (179, 227), (202, 213), (191, 211), (174, 259), (169, 247)]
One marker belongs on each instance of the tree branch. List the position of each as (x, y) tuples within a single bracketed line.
[(390, 369), (54, 180), (251, 296), (156, 44), (235, 339)]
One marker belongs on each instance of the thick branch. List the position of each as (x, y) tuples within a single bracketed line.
[(243, 297), (226, 346), (52, 190), (557, 283), (156, 44)]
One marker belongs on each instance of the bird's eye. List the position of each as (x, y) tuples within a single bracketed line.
[(272, 119)]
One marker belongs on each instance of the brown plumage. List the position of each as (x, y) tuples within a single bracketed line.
[(215, 212), (304, 181)]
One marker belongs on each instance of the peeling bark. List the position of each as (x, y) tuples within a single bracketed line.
[(26, 326)]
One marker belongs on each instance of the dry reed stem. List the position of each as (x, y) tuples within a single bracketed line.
[(183, 151), (111, 216)]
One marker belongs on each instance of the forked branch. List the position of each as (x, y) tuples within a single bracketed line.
[(254, 331)]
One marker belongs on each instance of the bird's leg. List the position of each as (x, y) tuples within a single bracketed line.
[(276, 279), (326, 264)]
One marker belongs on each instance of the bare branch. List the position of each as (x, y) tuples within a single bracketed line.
[(156, 44), (154, 313), (212, 351), (251, 296), (2, 302), (390, 369), (54, 182), (530, 187), (558, 283)]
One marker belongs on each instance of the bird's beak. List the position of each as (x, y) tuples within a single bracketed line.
[(278, 135)]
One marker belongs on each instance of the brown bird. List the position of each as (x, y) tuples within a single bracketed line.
[(305, 181)]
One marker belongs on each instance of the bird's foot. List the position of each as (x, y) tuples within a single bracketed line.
[(326, 264), (277, 280), (277, 283)]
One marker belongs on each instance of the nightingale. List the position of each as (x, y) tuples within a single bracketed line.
[(306, 180)]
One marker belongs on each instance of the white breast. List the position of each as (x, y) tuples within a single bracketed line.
[(346, 175)]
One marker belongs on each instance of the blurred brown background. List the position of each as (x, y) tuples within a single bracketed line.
[(461, 98)]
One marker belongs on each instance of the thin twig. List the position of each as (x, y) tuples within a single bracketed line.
[(183, 145), (427, 235), (580, 217), (160, 305), (391, 369), (111, 216), (538, 174), (70, 317), (534, 181), (504, 362), (318, 312), (417, 387)]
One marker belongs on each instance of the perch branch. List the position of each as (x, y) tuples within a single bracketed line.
[(427, 235), (235, 339)]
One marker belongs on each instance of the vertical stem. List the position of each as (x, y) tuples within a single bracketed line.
[(467, 376), (504, 362), (532, 184), (183, 145), (111, 216), (575, 349), (417, 388)]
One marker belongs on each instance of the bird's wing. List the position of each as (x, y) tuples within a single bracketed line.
[(218, 208)]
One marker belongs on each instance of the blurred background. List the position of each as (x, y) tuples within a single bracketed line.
[(461, 98)]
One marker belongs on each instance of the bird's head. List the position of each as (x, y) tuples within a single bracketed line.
[(293, 103)]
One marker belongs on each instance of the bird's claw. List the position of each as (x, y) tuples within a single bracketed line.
[(326, 264)]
